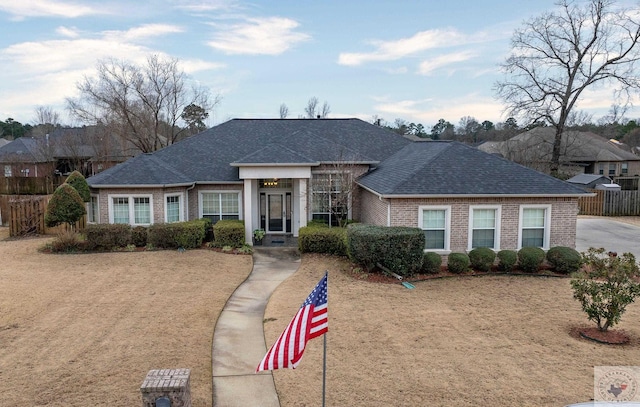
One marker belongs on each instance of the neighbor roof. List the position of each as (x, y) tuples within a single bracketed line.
[(23, 149), (448, 168), (585, 179), (214, 155)]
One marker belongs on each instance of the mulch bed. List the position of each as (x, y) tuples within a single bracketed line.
[(609, 337)]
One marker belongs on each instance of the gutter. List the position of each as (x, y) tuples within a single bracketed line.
[(186, 184), (413, 196)]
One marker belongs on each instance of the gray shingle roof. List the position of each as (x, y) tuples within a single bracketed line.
[(207, 157), (23, 149), (155, 171), (452, 168)]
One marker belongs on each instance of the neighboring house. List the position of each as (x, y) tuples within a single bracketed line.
[(581, 152), (278, 174), (589, 181), (4, 141), (86, 149)]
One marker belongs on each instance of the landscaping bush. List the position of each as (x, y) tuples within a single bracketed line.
[(458, 263), (319, 238), (139, 236), (208, 229), (228, 232), (67, 242), (507, 260), (431, 263), (65, 206), (107, 237), (400, 249), (564, 260), (186, 235), (530, 259), (482, 258), (79, 183)]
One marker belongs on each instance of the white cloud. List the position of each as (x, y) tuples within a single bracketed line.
[(429, 66), (69, 32), (44, 8), (45, 73), (421, 41), (268, 36)]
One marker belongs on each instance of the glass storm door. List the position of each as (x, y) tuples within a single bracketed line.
[(275, 212)]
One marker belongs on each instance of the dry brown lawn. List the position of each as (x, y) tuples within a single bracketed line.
[(84, 330), (466, 341), (78, 330)]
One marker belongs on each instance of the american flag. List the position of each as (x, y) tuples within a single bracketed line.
[(310, 322)]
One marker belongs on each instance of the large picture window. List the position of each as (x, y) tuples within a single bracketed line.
[(436, 223), (484, 230), (330, 197), (133, 210), (220, 205), (534, 226)]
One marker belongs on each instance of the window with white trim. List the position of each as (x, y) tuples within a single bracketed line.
[(131, 209), (331, 198), (484, 227), (173, 208), (624, 168), (220, 205), (7, 171), (436, 223), (93, 214), (535, 226), (612, 168)]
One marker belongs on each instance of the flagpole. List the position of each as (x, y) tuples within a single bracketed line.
[(324, 371)]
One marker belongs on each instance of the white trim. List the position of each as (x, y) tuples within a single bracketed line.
[(96, 213), (547, 224), (132, 216), (180, 206), (497, 225), (221, 191), (447, 225)]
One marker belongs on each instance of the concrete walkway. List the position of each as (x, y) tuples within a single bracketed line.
[(238, 340)]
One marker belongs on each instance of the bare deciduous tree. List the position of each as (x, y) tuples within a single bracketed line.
[(558, 55), (46, 120), (143, 103), (313, 110), (284, 111)]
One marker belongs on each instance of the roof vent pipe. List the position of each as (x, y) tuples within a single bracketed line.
[(318, 116)]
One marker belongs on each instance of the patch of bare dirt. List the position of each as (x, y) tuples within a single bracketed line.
[(84, 329)]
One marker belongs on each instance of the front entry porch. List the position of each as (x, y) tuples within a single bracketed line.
[(288, 240)]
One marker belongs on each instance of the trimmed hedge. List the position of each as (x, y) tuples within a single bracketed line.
[(482, 258), (431, 263), (107, 237), (79, 183), (458, 263), (564, 260), (319, 238), (65, 206), (530, 259), (186, 235), (139, 236), (507, 260), (400, 249), (228, 232)]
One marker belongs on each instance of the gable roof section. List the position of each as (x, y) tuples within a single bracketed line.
[(585, 179), (208, 157), (445, 168), (155, 173), (23, 149)]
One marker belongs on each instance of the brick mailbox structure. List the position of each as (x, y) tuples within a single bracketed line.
[(171, 384)]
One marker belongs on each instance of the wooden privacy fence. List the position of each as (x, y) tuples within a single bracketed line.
[(611, 203), (30, 185), (26, 217)]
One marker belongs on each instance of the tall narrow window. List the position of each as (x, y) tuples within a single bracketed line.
[(435, 223), (484, 227), (7, 171), (331, 197), (92, 210), (142, 210), (534, 229), (612, 169), (172, 208), (624, 168), (121, 210)]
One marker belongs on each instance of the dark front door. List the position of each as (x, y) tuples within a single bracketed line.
[(275, 213)]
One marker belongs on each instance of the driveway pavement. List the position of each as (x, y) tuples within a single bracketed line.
[(612, 235)]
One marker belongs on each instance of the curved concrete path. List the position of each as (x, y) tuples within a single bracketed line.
[(238, 339)]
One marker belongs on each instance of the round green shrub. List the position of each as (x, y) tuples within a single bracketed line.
[(65, 206), (458, 263), (564, 260), (507, 260), (482, 258), (530, 259), (77, 180), (431, 263), (139, 236)]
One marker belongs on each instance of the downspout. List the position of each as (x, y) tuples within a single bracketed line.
[(186, 198)]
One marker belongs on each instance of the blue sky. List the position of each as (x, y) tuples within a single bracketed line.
[(415, 60)]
